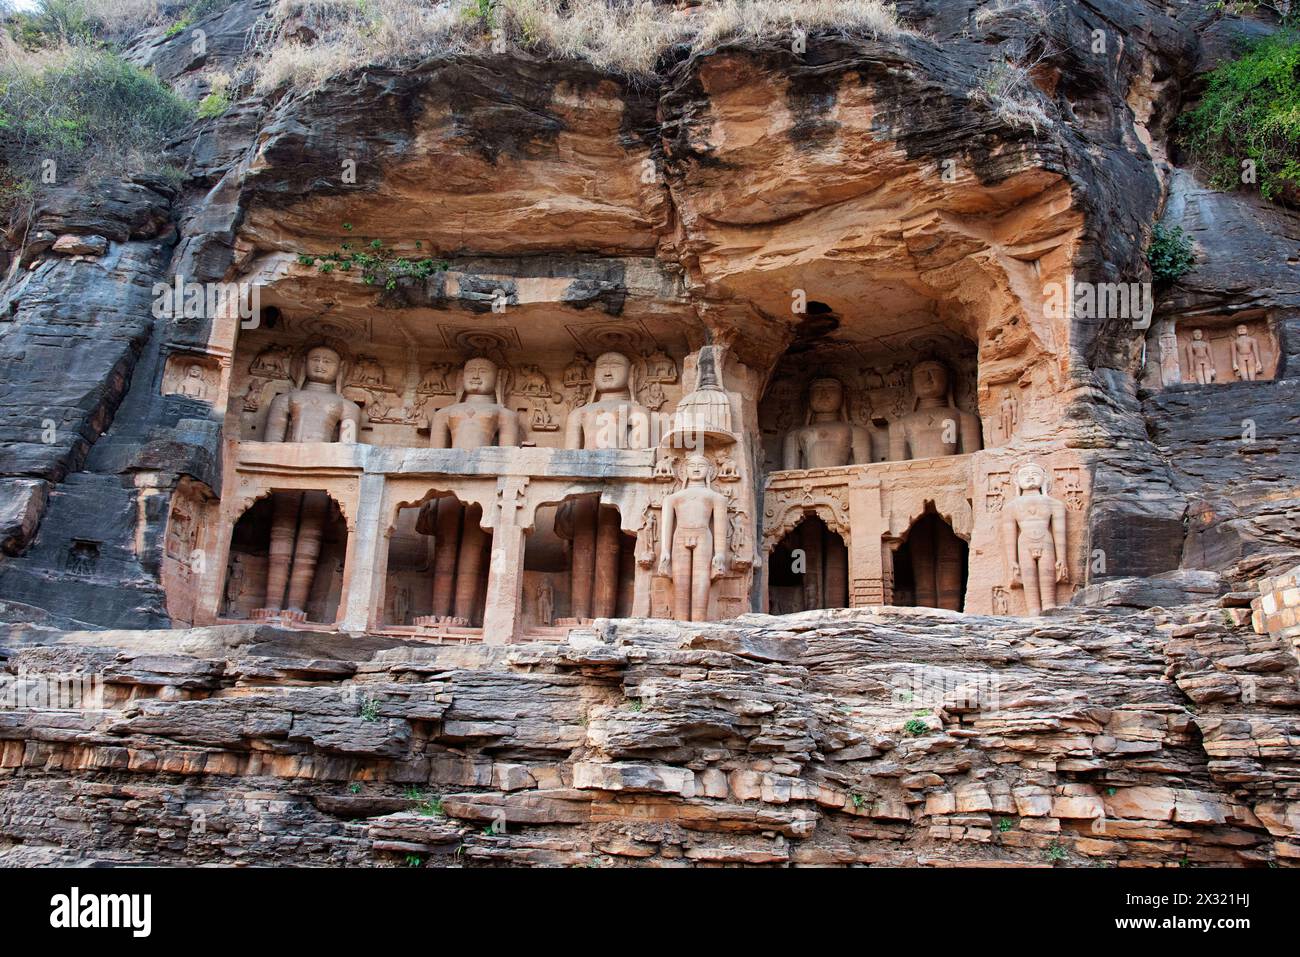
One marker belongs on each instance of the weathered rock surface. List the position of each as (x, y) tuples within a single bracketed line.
[(890, 737)]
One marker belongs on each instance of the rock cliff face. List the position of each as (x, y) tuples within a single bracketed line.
[(1144, 724)]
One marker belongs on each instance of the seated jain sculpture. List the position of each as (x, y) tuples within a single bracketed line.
[(827, 438), (1033, 534), (312, 412), (611, 419), (693, 543), (935, 426), (479, 417)]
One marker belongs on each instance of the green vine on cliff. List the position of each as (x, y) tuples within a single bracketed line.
[(378, 265), (1246, 129), (1169, 254)]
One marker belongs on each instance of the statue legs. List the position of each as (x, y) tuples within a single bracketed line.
[(810, 540), (1038, 574), (691, 557), (835, 578), (582, 557), (605, 588), (446, 549), (297, 526), (469, 565)]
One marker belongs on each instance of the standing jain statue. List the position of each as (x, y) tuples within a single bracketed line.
[(827, 439), (1200, 359), (315, 411), (693, 541), (479, 417), (1245, 356), (1033, 534), (935, 426), (611, 418)]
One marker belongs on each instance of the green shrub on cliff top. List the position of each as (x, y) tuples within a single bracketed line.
[(1251, 112), (78, 110)]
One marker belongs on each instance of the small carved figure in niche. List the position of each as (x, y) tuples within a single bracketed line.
[(740, 546), (653, 396), (542, 420), (1170, 371), (479, 417), (435, 380), (693, 544), (1001, 601), (532, 383), (935, 426), (1008, 415), (727, 471), (367, 373), (402, 605), (545, 603), (611, 419), (272, 362), (827, 438), (647, 540), (1245, 356), (1033, 535), (253, 395), (235, 573), (1200, 358), (194, 385), (178, 533), (315, 409), (660, 367)]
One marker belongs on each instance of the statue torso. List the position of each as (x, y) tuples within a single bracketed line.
[(473, 425), (826, 444), (315, 416)]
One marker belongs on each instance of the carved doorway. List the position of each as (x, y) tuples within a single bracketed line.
[(579, 564), (287, 553), (930, 565), (808, 568)]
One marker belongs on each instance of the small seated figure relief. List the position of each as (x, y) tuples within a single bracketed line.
[(1245, 356), (611, 419), (479, 417), (194, 385), (1200, 359), (828, 439), (315, 410), (1033, 536), (693, 543), (935, 426)]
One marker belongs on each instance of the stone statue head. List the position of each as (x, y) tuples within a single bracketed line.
[(698, 467), (1197, 334), (322, 364), (930, 380), (195, 371), (1031, 476), (480, 377), (611, 373), (825, 395), (1242, 331)]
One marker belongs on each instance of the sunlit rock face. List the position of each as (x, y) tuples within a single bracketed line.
[(499, 379)]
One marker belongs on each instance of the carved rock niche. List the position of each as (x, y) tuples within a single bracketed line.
[(1211, 350), (192, 375)]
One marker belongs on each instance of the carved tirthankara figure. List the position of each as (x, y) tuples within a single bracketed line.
[(194, 386), (935, 426), (611, 419), (479, 416), (1200, 359), (693, 544), (313, 412), (1245, 356), (827, 438), (1033, 535), (592, 531)]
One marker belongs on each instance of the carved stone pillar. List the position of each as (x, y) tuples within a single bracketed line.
[(447, 518), (605, 586), (363, 575), (582, 558), (505, 584), (469, 564)]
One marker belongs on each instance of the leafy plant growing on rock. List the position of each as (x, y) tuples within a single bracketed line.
[(378, 265), (1246, 129), (1056, 852), (915, 727), (1169, 254)]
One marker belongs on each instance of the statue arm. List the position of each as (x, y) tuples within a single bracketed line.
[(440, 431), (790, 451), (667, 520), (1058, 542), (1009, 545), (861, 446), (508, 428), (720, 527), (277, 419), (972, 439), (573, 430), (897, 442)]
